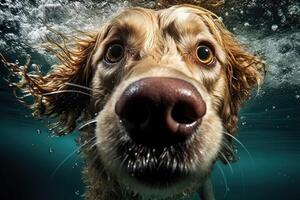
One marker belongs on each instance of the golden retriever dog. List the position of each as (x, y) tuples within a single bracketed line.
[(158, 92)]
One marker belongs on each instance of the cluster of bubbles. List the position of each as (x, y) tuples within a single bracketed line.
[(272, 32)]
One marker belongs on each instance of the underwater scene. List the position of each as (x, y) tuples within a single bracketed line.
[(35, 164)]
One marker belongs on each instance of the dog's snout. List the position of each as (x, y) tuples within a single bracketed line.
[(160, 110)]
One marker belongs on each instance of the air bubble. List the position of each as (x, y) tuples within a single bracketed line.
[(246, 24), (274, 27), (77, 192)]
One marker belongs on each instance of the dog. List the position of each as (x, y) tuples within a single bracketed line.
[(159, 92)]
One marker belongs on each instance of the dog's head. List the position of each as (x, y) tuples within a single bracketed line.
[(166, 85)]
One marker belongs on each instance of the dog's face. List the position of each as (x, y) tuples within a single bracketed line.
[(165, 84), (152, 54), (161, 127)]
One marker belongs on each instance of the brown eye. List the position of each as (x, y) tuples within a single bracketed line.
[(204, 54), (114, 53)]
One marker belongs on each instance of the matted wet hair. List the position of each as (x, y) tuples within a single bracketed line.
[(53, 93)]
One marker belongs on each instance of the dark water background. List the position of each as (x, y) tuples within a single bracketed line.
[(269, 125)]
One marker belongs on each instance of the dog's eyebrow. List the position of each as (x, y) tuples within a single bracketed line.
[(179, 27)]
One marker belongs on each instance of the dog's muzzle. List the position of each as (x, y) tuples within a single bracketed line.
[(159, 115)]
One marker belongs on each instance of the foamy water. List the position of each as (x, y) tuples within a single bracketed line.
[(28, 22)]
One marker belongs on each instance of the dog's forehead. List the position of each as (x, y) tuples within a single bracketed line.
[(136, 19), (183, 19), (145, 21)]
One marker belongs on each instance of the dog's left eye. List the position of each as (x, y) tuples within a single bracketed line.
[(114, 53), (205, 54)]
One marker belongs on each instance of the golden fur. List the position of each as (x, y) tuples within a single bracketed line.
[(163, 47)]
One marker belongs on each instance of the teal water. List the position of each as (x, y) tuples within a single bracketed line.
[(31, 157), (269, 130)]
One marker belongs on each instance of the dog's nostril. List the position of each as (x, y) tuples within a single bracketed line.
[(136, 113), (183, 113)]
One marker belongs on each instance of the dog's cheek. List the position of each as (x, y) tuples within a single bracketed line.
[(108, 129), (103, 84), (208, 138), (213, 136), (106, 132)]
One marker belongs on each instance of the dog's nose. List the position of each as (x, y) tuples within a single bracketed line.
[(160, 110)]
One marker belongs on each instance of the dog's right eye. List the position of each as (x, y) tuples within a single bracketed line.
[(204, 54), (114, 53)]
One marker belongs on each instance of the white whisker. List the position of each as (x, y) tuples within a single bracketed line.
[(87, 123), (93, 145), (66, 91), (231, 169), (242, 145), (70, 155), (79, 86), (224, 178)]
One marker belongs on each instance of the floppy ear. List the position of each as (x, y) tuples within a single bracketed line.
[(53, 95), (244, 72)]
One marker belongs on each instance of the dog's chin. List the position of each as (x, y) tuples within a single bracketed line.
[(160, 183), (150, 185), (163, 182), (157, 176), (157, 171)]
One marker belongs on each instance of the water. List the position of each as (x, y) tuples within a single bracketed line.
[(269, 125)]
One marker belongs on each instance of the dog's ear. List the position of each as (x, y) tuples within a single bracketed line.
[(244, 72), (55, 94)]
